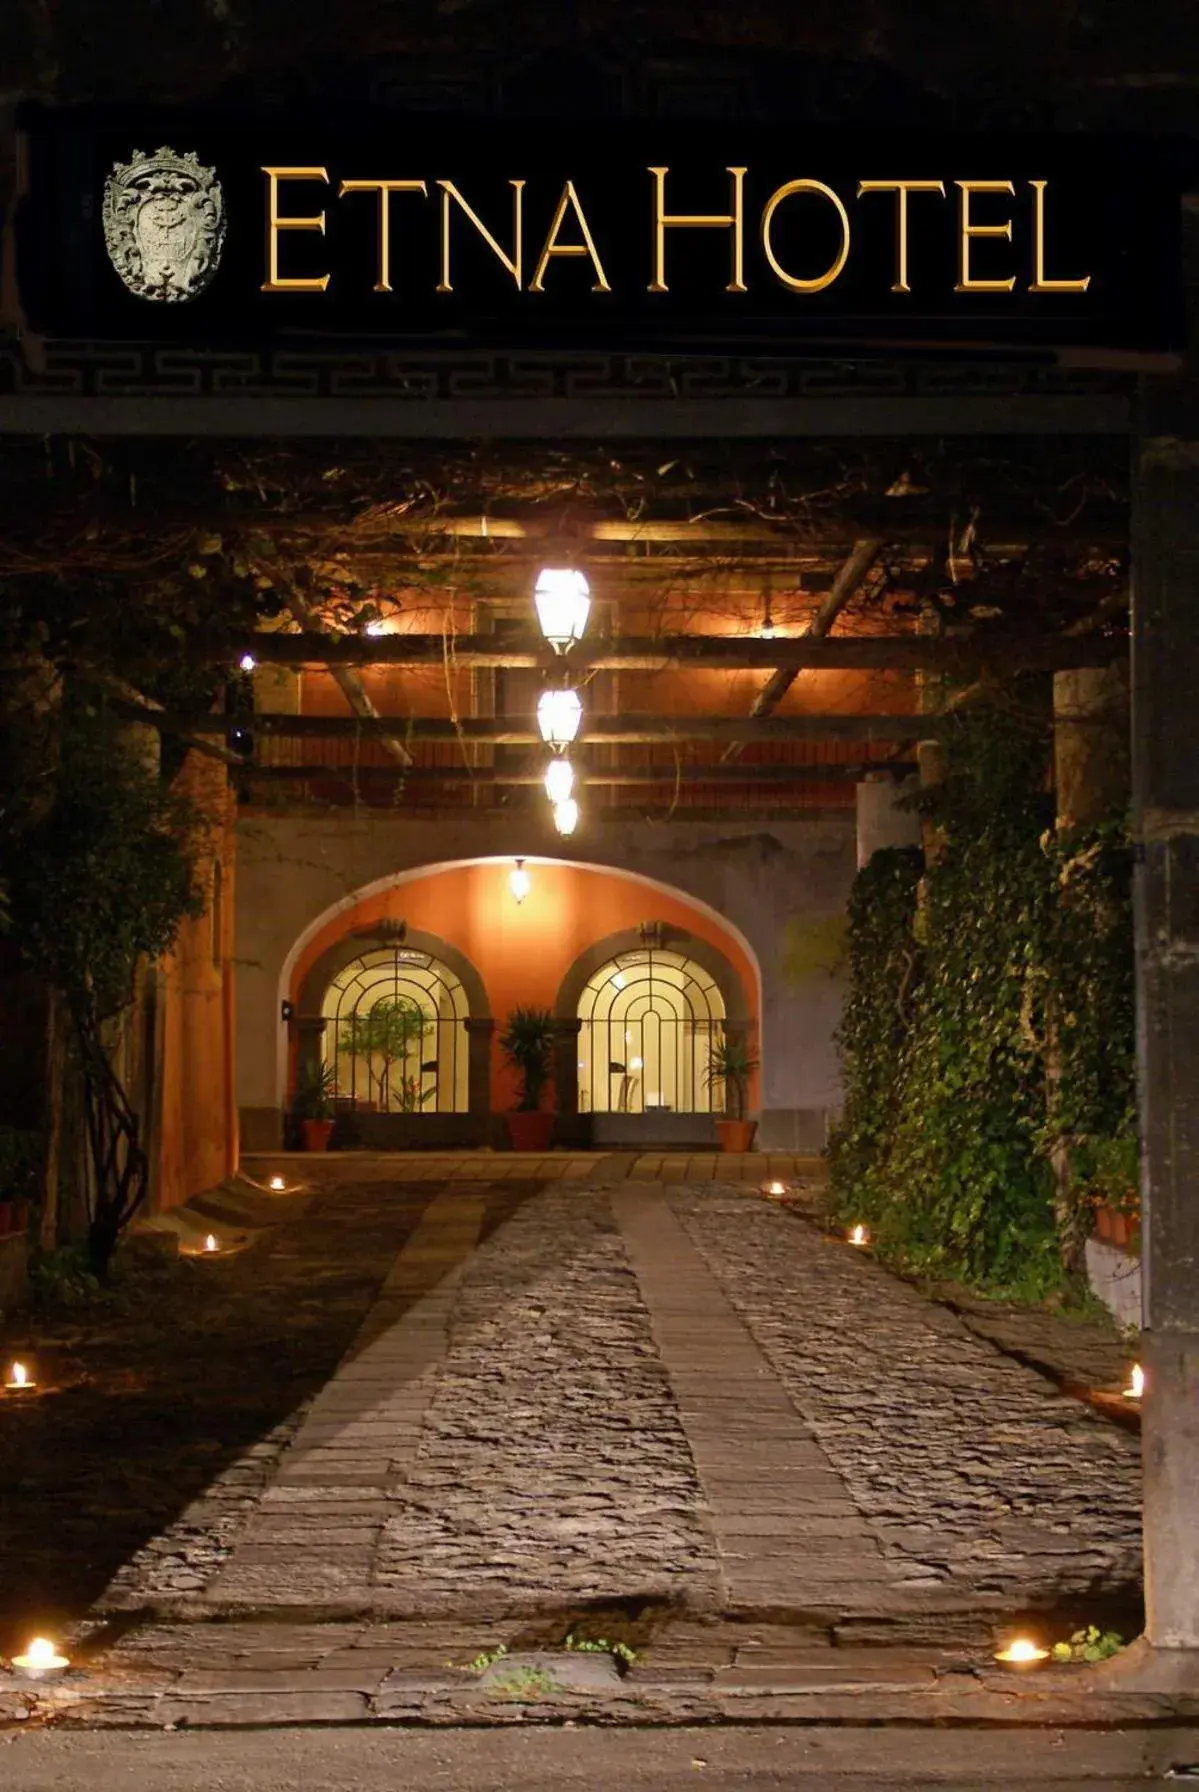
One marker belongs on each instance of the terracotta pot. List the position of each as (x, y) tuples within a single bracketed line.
[(1103, 1222), (736, 1135), (316, 1134), (1119, 1233), (530, 1131)]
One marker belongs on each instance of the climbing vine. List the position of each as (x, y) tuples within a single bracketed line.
[(987, 1041)]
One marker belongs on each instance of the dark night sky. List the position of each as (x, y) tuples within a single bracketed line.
[(1056, 64)]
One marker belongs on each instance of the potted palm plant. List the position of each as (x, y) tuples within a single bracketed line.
[(527, 1042), (732, 1064), (315, 1089)]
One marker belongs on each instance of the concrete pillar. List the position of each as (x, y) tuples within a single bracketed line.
[(881, 820), (1165, 683)]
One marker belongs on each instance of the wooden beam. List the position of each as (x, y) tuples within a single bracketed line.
[(504, 731), (348, 679), (745, 772), (849, 577), (718, 653)]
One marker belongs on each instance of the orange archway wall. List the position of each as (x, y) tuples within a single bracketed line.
[(522, 951)]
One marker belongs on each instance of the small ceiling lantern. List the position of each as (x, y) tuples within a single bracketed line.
[(566, 816), (519, 882), (563, 599), (559, 714), (559, 780)]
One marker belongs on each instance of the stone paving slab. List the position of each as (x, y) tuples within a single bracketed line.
[(360, 1432), (764, 1458), (974, 1472), (678, 1403)]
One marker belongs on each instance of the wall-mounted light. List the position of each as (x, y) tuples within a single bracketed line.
[(247, 662), (566, 816), (559, 714), (559, 780), (563, 599), (519, 882)]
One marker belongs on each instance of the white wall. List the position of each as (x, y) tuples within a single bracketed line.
[(782, 885)]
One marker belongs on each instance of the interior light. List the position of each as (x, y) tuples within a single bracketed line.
[(559, 780), (376, 628), (563, 599), (566, 816), (559, 714), (519, 881)]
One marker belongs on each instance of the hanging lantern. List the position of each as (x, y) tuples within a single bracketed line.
[(559, 780), (563, 599), (559, 714), (519, 882), (566, 816)]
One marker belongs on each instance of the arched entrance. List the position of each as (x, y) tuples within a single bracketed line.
[(647, 1022), (395, 1033), (401, 1017), (642, 1010)]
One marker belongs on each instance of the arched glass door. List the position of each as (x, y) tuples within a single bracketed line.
[(648, 1020), (395, 1034)]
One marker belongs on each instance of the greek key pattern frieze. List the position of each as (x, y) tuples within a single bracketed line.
[(103, 370)]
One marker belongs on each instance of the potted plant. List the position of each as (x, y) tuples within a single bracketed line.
[(527, 1042), (732, 1063), (315, 1089)]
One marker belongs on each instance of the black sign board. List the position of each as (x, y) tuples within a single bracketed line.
[(207, 229)]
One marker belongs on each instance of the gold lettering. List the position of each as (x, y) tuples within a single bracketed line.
[(569, 199), (384, 188), (1039, 282), (901, 188), (966, 282), (772, 204), (664, 221), (513, 262), (274, 281)]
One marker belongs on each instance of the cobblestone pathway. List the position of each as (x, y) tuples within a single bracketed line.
[(680, 1396), (974, 1472)]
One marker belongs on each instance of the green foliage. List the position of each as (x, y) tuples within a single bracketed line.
[(99, 857), (620, 1652), (316, 1086), (1091, 1644), (387, 1033), (527, 1042), (987, 1038), (63, 1279), (732, 1063), (102, 874)]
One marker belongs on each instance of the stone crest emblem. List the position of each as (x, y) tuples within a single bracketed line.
[(164, 224)]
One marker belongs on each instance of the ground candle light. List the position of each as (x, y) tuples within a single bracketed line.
[(1136, 1386), (278, 1184), (1023, 1653), (19, 1379), (40, 1660), (210, 1243), (859, 1235)]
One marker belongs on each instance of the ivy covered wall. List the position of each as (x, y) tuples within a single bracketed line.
[(988, 1038)]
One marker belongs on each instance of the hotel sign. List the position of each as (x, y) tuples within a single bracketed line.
[(198, 229)]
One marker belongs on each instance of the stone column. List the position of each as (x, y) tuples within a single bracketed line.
[(882, 822), (1165, 696), (479, 1033), (1090, 744)]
